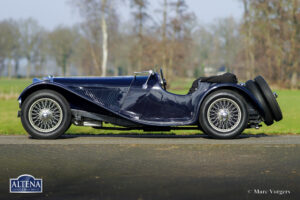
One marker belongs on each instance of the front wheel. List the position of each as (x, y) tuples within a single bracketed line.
[(223, 114), (46, 114)]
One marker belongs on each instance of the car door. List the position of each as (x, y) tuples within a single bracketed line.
[(154, 104)]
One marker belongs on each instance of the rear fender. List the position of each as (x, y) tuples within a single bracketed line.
[(235, 87)]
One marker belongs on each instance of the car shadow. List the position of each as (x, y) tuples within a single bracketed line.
[(161, 136)]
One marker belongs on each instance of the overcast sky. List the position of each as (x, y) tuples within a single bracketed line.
[(51, 13)]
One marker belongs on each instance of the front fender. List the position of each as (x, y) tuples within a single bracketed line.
[(69, 94), (39, 86)]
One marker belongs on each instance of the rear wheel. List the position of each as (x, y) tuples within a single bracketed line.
[(46, 114), (223, 114)]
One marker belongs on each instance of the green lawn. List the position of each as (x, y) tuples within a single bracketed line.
[(13, 86), (10, 124)]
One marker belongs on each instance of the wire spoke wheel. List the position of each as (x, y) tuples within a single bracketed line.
[(45, 115), (224, 115)]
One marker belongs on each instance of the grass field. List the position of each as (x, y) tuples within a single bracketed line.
[(10, 124), (10, 88)]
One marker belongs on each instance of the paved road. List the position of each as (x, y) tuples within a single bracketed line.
[(153, 139), (154, 167)]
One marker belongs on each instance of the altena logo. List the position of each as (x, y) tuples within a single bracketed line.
[(25, 184)]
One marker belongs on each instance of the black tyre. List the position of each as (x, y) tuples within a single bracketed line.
[(45, 114), (223, 114), (270, 98), (201, 129), (252, 86)]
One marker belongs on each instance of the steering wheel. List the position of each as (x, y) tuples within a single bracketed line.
[(163, 80)]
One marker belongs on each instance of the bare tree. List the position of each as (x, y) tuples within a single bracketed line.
[(182, 24), (31, 33), (164, 37), (271, 32), (227, 31), (248, 43), (95, 13), (295, 42), (203, 50), (104, 36), (178, 6), (62, 42), (140, 16), (42, 55), (9, 44)]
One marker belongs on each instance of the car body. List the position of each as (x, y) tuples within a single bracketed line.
[(138, 101)]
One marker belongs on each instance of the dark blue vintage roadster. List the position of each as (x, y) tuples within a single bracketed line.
[(219, 105)]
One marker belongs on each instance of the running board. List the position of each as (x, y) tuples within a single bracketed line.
[(80, 116)]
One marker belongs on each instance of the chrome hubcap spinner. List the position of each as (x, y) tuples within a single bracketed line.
[(224, 115), (45, 115)]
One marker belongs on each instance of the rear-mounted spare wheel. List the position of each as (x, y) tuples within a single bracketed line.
[(268, 119), (269, 96)]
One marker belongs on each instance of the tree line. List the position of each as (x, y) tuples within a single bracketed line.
[(265, 41)]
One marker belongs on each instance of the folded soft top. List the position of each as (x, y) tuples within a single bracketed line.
[(224, 78)]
